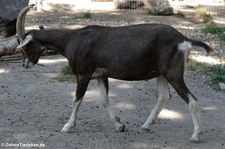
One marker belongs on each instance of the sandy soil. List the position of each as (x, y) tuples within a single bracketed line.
[(34, 106)]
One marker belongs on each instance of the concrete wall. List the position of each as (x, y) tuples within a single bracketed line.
[(10, 9)]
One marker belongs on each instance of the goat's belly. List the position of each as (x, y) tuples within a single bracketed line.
[(136, 77), (125, 74)]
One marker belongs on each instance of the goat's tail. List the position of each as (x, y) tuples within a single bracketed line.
[(208, 49)]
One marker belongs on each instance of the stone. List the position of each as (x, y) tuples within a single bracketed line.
[(162, 11), (222, 86)]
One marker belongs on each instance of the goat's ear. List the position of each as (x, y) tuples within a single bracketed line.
[(26, 40), (41, 27)]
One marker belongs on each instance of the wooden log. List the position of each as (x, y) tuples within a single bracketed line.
[(8, 46)]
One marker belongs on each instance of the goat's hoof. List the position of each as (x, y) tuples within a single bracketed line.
[(194, 140), (195, 137), (66, 128), (120, 127), (145, 128)]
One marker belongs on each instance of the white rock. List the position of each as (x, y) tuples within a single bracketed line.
[(222, 86)]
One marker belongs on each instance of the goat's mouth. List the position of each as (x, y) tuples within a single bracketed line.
[(27, 63)]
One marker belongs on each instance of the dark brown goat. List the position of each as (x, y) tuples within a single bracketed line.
[(137, 52)]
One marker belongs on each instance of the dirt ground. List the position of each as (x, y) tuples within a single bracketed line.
[(34, 106)]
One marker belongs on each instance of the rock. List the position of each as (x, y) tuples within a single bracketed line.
[(222, 86), (160, 7), (162, 11)]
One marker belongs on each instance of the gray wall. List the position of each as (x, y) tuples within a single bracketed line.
[(10, 9)]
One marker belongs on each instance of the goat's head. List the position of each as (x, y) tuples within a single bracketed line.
[(8, 45), (31, 49)]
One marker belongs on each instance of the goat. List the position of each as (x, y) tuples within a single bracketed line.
[(132, 53)]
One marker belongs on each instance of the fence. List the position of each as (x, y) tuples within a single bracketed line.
[(212, 6)]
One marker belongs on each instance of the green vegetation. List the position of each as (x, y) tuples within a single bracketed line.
[(207, 18), (65, 70), (66, 74), (194, 65), (216, 73), (202, 13), (222, 38), (180, 14), (151, 10), (214, 29), (85, 15)]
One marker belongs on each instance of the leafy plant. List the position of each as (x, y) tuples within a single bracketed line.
[(66, 74), (222, 38), (151, 10), (207, 18), (180, 14), (85, 15), (202, 13), (194, 65), (65, 70), (217, 74), (213, 29)]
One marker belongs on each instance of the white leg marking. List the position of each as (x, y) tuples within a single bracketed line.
[(163, 96), (193, 108), (105, 102), (72, 121)]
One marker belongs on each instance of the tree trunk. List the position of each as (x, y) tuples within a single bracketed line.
[(8, 46)]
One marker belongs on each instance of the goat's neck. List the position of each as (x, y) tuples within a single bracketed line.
[(56, 40)]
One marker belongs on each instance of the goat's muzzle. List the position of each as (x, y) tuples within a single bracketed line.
[(27, 63)]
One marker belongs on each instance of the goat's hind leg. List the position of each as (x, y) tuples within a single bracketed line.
[(193, 108), (82, 83), (163, 97), (182, 90), (103, 87)]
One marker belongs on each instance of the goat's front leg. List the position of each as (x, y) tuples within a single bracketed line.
[(82, 83), (163, 96), (103, 87)]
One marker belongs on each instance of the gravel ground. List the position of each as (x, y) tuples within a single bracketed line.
[(34, 106)]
